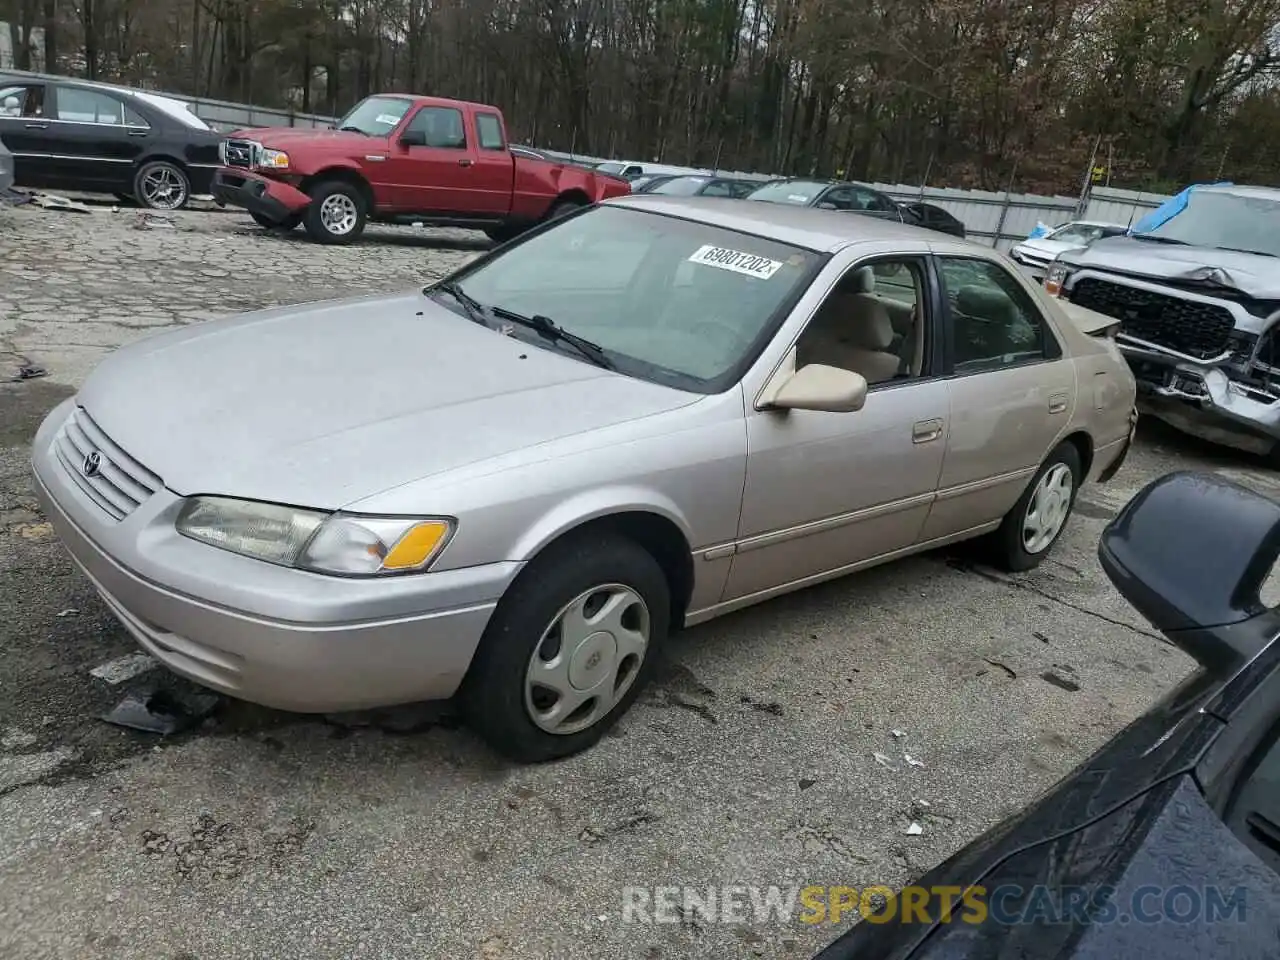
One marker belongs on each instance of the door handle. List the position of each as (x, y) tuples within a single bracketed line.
[(922, 431), (138, 133), (37, 126), (464, 162), (1058, 403)]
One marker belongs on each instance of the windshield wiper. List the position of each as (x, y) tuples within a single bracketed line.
[(1256, 253), (548, 328), (353, 129), (1152, 238), (474, 308)]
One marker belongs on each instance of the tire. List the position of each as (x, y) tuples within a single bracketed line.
[(503, 233), (161, 185), (285, 225), (335, 202), (563, 209), (500, 699), (1011, 547)]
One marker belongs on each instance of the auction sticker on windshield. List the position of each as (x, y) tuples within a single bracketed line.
[(736, 260), (387, 118)]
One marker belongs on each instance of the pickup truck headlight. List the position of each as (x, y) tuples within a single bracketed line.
[(273, 160), (222, 152), (1055, 278), (342, 544)]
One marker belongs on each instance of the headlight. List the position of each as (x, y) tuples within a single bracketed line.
[(273, 159), (339, 543), (1055, 278), (222, 152)]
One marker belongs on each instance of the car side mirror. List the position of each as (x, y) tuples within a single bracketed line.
[(816, 386), (1191, 552), (413, 138)]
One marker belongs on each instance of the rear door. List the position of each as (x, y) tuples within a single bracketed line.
[(492, 176), (1012, 393), (24, 127), (99, 139)]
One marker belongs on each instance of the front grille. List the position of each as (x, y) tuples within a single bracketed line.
[(240, 153), (1200, 330), (108, 476)]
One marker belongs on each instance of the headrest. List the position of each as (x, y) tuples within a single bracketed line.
[(988, 304), (871, 327), (862, 280)]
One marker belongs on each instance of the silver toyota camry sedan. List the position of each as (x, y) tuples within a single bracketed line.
[(514, 484)]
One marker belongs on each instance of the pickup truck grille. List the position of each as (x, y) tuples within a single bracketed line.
[(108, 476), (1200, 330), (240, 153)]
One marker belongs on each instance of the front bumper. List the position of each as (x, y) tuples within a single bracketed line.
[(272, 199), (1203, 401), (279, 637)]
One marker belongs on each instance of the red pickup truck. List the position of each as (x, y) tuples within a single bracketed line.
[(442, 162)]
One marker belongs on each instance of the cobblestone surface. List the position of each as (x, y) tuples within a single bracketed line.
[(767, 751)]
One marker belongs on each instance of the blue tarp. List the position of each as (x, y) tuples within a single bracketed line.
[(1040, 230), (1170, 208)]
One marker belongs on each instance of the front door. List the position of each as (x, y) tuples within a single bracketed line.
[(828, 491), (24, 128), (98, 138), (435, 174), (1012, 394)]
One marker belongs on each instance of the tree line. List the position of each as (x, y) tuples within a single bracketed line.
[(994, 94)]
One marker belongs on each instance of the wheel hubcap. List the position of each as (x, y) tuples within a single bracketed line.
[(587, 659), (1048, 509), (163, 187), (338, 214)]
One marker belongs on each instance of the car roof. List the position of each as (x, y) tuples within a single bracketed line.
[(824, 231), (1242, 190)]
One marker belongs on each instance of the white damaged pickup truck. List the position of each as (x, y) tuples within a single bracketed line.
[(1196, 298)]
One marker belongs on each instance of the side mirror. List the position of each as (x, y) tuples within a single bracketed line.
[(819, 387), (413, 138), (1191, 552)]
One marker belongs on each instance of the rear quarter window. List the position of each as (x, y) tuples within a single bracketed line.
[(489, 132)]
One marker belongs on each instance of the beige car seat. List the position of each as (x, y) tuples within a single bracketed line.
[(853, 330)]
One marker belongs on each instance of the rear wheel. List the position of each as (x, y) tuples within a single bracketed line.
[(564, 208), (336, 213), (503, 233), (569, 648), (1037, 520), (161, 185)]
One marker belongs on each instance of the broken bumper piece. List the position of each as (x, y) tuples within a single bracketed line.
[(267, 198)]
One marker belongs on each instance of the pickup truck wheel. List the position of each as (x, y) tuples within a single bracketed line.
[(563, 209), (161, 185), (336, 213), (502, 234)]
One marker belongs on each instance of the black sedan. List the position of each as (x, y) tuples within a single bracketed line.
[(1166, 843), (700, 186), (933, 217), (68, 135), (832, 195)]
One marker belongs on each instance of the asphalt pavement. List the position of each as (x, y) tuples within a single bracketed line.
[(772, 750)]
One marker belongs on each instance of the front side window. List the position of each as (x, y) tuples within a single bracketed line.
[(442, 127), (1227, 221), (89, 106), (375, 116), (1081, 233), (489, 132), (24, 101), (995, 323), (670, 300)]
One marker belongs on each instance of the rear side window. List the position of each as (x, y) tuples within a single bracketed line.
[(489, 131), (89, 106), (995, 324)]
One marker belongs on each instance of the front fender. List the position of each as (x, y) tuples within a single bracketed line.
[(581, 509)]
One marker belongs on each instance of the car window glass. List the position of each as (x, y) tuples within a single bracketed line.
[(870, 200), (676, 301), (995, 322), (717, 188), (134, 119), (871, 324), (1253, 812), (742, 189), (88, 106), (22, 101), (489, 132), (442, 127), (842, 198)]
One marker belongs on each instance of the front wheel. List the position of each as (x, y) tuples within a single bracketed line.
[(569, 648), (336, 213), (1037, 520), (161, 185)]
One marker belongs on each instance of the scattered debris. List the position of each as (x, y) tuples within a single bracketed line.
[(806, 783), (912, 761), (1039, 636), (69, 612), (14, 198), (1059, 681), (29, 371), (151, 221), (34, 531), (162, 711), (772, 708), (899, 733), (914, 830), (49, 201), (1000, 666), (117, 671), (881, 759)]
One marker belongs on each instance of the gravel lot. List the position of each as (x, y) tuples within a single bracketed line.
[(398, 835)]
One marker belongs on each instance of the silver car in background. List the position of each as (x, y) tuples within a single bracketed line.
[(513, 484)]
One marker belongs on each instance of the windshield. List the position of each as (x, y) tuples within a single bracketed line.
[(375, 116), (681, 186), (1228, 221), (799, 192), (1081, 233), (670, 300), (615, 169)]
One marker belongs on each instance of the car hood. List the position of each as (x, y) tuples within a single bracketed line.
[(1252, 275), (324, 404), (1047, 248), (283, 137)]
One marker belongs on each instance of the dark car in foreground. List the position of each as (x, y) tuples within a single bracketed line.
[(1195, 291), (1165, 843), (73, 135), (832, 195)]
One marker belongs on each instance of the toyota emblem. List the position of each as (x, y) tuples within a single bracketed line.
[(92, 464)]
